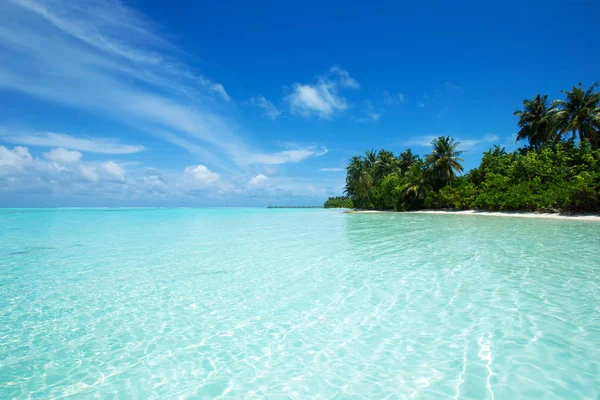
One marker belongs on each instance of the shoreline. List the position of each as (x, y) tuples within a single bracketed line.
[(514, 214)]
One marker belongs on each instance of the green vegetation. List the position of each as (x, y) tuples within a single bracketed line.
[(558, 169), (557, 177), (339, 202), (578, 114)]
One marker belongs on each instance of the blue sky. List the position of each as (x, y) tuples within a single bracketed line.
[(108, 103)]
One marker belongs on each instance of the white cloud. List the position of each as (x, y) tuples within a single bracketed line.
[(401, 97), (88, 173), (218, 88), (156, 183), (258, 180), (201, 175), (269, 109), (322, 99), (421, 104), (331, 169), (345, 79), (113, 171), (104, 182), (63, 155), (14, 159), (107, 60), (58, 167), (64, 171), (286, 156)]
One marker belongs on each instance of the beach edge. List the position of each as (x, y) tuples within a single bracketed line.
[(514, 214)]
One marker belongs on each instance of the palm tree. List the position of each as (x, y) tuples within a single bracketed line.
[(365, 180), (537, 121), (444, 163), (580, 113), (407, 159), (352, 172), (370, 159), (359, 179), (385, 164), (416, 185)]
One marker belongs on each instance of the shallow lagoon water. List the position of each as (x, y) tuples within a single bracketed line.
[(202, 303)]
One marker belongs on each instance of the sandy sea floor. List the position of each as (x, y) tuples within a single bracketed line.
[(296, 303)]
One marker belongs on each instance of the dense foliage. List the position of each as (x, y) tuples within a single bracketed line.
[(339, 202), (560, 177), (558, 170)]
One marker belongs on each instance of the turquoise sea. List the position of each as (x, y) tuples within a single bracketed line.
[(251, 303)]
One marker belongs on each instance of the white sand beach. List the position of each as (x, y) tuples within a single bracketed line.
[(517, 214)]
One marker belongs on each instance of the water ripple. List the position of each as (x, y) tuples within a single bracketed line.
[(244, 303)]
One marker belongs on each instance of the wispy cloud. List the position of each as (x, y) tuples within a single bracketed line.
[(344, 77), (420, 141), (370, 117), (116, 30), (49, 139), (286, 156), (451, 86), (331, 169), (391, 99), (368, 113), (466, 144), (269, 109), (441, 97), (107, 59), (473, 144), (322, 99)]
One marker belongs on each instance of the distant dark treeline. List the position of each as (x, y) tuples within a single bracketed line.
[(339, 202), (559, 169)]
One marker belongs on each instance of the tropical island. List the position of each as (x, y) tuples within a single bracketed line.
[(558, 170)]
